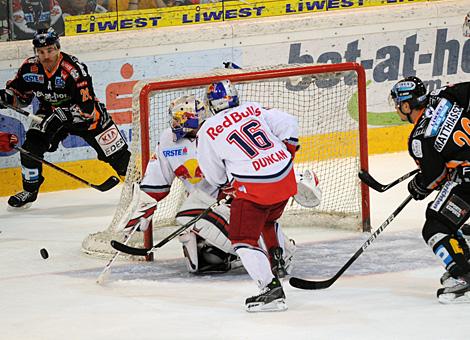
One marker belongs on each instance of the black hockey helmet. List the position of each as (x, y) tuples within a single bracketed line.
[(411, 90), (45, 37)]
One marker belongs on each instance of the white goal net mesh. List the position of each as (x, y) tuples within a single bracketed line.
[(326, 105)]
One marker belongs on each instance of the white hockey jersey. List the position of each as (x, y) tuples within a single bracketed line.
[(244, 146), (174, 159)]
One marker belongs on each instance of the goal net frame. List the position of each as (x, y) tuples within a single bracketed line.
[(147, 90)]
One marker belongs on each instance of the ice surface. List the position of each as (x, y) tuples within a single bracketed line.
[(388, 293)]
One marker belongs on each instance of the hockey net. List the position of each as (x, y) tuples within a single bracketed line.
[(330, 103)]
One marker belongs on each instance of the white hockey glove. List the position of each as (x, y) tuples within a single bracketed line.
[(309, 193)]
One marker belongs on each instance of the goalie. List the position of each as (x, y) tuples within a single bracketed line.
[(206, 247)]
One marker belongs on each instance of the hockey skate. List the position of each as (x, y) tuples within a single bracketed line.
[(277, 262), (271, 299), (456, 290), (22, 200)]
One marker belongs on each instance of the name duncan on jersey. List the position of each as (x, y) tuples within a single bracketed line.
[(232, 118), (268, 160)]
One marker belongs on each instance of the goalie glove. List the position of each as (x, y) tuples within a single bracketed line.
[(7, 141), (309, 193)]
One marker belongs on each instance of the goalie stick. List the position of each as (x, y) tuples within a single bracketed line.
[(310, 284), (110, 183), (366, 178), (146, 251)]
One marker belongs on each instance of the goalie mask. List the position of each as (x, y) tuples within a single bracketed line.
[(221, 96), (187, 114)]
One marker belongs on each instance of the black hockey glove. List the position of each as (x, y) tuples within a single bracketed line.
[(6, 96), (417, 189), (52, 124)]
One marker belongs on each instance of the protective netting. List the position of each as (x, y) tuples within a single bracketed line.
[(326, 107)]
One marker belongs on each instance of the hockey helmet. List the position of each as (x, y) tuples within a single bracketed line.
[(411, 90), (187, 114), (46, 37), (221, 96)]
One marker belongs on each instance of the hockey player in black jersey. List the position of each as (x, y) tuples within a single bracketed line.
[(440, 145), (67, 105)]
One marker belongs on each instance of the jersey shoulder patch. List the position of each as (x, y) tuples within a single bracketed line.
[(417, 148)]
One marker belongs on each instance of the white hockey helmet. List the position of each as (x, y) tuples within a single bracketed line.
[(309, 194), (187, 114), (221, 95)]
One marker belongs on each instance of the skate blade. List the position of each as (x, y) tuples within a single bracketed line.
[(24, 207), (278, 305), (452, 298)]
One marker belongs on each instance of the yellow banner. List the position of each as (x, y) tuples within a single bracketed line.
[(204, 13)]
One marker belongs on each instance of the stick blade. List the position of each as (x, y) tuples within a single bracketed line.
[(103, 277), (110, 183), (129, 250), (309, 285), (366, 178)]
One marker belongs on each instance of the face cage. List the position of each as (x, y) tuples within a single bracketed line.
[(180, 131)]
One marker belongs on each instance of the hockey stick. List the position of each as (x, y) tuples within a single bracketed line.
[(110, 183), (372, 183), (308, 284), (21, 111), (106, 270), (146, 251)]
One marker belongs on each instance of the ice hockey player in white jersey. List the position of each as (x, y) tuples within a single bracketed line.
[(205, 245), (249, 150)]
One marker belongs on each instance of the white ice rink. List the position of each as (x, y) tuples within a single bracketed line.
[(388, 293)]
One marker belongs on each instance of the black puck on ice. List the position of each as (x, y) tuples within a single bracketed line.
[(44, 253)]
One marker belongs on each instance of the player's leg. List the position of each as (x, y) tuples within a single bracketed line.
[(444, 216), (247, 220), (280, 248), (108, 143), (39, 139)]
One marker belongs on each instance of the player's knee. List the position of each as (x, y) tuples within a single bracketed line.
[(119, 161), (448, 249), (36, 142)]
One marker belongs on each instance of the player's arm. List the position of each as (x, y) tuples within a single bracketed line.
[(284, 126), (433, 169), (84, 100), (209, 161), (18, 91), (158, 176)]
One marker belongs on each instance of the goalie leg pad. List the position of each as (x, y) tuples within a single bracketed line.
[(190, 251), (212, 227)]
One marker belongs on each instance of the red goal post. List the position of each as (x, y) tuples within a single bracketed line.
[(328, 99)]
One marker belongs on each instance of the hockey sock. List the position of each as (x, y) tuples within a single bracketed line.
[(256, 264)]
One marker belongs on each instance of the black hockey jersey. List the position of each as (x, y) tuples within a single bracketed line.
[(440, 139), (69, 86)]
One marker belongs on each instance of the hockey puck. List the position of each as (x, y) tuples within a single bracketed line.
[(44, 253)]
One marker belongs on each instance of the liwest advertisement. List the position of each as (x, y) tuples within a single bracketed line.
[(206, 13)]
